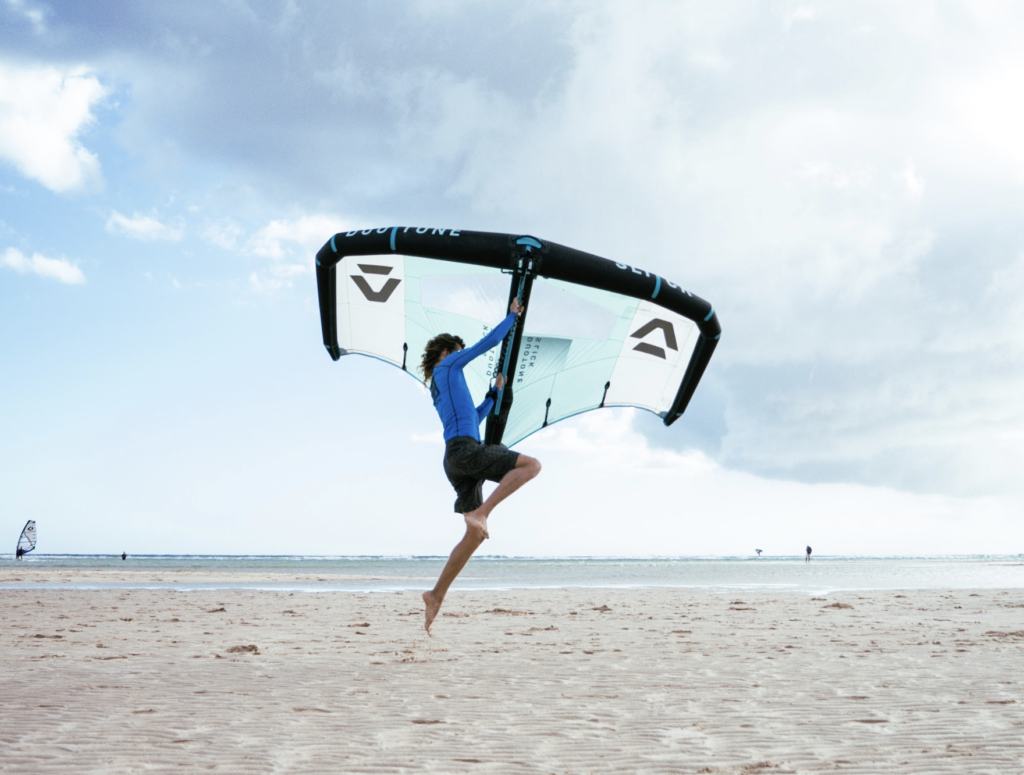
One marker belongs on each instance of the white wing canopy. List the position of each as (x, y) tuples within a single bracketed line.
[(581, 348)]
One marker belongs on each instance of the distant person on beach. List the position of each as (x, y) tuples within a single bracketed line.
[(808, 554), (124, 556), (468, 462)]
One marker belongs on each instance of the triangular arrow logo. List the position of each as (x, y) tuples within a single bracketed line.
[(651, 349), (371, 295)]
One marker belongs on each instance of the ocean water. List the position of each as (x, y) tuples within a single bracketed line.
[(390, 574)]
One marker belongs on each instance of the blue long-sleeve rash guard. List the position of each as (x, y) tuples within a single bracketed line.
[(451, 395)]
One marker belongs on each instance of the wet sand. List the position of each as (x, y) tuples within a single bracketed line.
[(538, 681)]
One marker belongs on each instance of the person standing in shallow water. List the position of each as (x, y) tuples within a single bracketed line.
[(808, 554), (468, 462)]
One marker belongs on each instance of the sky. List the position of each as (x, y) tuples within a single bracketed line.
[(844, 182)]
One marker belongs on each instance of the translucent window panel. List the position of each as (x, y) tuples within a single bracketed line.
[(475, 292), (609, 349), (444, 297)]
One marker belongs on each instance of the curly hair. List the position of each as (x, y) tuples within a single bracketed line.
[(432, 355)]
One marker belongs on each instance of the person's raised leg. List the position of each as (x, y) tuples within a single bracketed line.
[(456, 562), (526, 469), (476, 532)]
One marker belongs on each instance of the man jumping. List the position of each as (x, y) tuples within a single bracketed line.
[(468, 462)]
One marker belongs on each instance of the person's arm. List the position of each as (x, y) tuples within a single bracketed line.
[(462, 357), (488, 403)]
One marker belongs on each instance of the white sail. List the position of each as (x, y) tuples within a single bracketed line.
[(594, 333), (582, 348), (27, 540)]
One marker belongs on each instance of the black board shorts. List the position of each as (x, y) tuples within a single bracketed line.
[(467, 463)]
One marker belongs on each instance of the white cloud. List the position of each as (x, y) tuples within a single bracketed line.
[(839, 179), (34, 15), (42, 112), (1005, 291), (912, 182), (640, 500), (299, 237), (143, 227), (984, 104), (224, 234), (279, 276), (261, 283), (842, 205), (52, 268), (291, 270), (802, 14)]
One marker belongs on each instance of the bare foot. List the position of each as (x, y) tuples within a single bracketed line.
[(477, 521), (433, 606)]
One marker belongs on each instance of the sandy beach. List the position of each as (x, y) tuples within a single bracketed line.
[(545, 681)]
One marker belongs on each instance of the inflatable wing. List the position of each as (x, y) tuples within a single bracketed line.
[(595, 332)]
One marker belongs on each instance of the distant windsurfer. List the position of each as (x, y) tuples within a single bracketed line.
[(808, 554), (124, 556), (26, 541), (468, 462)]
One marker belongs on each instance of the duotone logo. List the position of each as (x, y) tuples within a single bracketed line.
[(371, 295), (652, 349)]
